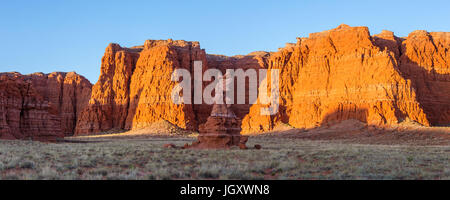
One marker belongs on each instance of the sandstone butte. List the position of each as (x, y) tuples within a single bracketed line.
[(339, 74)]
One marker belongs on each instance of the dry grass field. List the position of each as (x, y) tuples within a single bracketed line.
[(296, 154)]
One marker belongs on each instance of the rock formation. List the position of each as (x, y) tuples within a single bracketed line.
[(345, 73), (110, 98), (221, 130), (339, 74), (41, 106), (425, 60), (134, 88)]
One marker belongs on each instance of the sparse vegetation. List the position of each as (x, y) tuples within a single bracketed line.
[(280, 158)]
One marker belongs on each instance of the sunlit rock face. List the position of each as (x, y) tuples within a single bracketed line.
[(134, 88), (222, 128), (339, 74), (425, 60), (109, 102)]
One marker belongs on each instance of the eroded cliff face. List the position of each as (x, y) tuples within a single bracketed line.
[(343, 73), (155, 66), (255, 60), (134, 88), (339, 74), (109, 102), (288, 61), (425, 60), (41, 106)]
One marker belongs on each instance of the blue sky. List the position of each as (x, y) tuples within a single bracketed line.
[(71, 35)]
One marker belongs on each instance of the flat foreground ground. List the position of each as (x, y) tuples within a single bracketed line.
[(300, 155)]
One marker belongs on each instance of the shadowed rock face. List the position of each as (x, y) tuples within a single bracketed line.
[(425, 60), (41, 106), (221, 130)]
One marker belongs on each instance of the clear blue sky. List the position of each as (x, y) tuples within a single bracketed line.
[(71, 35)]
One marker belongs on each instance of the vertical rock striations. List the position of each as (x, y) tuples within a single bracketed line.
[(425, 60), (41, 106), (339, 74), (108, 106)]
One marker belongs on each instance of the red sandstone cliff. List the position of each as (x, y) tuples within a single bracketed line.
[(108, 106), (329, 76), (41, 106), (346, 73)]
